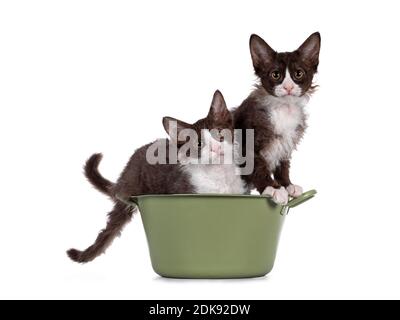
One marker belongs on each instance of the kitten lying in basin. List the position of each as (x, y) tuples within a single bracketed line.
[(209, 170)]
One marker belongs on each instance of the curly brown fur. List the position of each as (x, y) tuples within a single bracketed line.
[(117, 219), (140, 177), (254, 113), (93, 175)]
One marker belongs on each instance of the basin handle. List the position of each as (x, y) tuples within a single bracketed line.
[(302, 198)]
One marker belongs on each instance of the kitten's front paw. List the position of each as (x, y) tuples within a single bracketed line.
[(269, 191), (279, 196), (294, 190)]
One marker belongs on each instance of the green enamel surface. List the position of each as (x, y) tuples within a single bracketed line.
[(213, 236)]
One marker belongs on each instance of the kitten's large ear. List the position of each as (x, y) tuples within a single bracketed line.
[(173, 126), (261, 52), (218, 110), (309, 50)]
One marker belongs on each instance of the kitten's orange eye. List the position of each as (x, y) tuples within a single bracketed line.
[(299, 74), (276, 75)]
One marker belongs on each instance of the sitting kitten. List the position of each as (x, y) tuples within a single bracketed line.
[(275, 110), (190, 175)]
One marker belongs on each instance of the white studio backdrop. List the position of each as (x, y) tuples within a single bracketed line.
[(78, 77)]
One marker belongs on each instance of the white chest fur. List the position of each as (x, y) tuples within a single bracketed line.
[(224, 178), (286, 115)]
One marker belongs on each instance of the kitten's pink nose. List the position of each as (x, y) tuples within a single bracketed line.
[(288, 87)]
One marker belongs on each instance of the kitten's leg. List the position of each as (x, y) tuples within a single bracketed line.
[(265, 184), (281, 175), (261, 177), (117, 218)]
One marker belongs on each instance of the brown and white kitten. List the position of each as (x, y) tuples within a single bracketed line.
[(275, 110), (140, 177)]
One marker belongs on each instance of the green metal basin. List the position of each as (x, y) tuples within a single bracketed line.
[(213, 236)]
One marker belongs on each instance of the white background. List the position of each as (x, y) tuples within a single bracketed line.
[(78, 77)]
